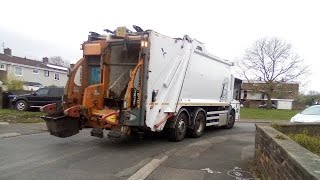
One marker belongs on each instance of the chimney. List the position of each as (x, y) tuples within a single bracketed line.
[(7, 51), (45, 60)]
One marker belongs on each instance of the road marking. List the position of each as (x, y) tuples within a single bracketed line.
[(4, 123), (133, 169), (147, 169), (7, 135)]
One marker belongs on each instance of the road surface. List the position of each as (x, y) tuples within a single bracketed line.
[(218, 154)]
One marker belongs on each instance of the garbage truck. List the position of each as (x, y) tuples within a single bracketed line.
[(132, 82)]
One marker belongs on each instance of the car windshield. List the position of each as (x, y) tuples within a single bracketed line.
[(313, 110)]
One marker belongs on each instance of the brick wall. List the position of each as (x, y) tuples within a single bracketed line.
[(278, 157), (281, 91)]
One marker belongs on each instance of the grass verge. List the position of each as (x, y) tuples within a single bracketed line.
[(312, 143), (14, 116), (266, 114)]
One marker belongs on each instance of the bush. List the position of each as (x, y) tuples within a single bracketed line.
[(13, 83)]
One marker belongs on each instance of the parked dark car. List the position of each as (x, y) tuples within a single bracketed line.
[(39, 98), (264, 106)]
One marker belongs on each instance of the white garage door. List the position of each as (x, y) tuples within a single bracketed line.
[(284, 104)]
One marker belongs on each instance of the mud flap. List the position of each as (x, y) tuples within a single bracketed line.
[(62, 126)]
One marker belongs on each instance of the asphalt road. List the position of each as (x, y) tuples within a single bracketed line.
[(218, 154)]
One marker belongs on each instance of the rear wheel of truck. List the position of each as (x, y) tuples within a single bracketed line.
[(199, 125), (180, 129), (230, 121), (21, 105)]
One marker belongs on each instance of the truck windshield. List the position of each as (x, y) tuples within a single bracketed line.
[(123, 59)]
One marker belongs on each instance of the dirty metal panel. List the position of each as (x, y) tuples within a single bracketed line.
[(92, 49), (222, 119)]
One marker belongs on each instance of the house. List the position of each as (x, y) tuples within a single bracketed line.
[(31, 71), (253, 94)]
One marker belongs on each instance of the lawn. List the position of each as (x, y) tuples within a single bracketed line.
[(265, 114), (14, 116)]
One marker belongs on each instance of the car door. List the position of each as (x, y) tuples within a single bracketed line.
[(55, 95), (39, 98)]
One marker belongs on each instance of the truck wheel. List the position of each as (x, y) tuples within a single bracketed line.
[(180, 128), (21, 105), (230, 121), (199, 125)]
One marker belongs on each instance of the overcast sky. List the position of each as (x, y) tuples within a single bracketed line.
[(36, 28)]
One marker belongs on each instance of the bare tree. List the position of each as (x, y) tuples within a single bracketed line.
[(58, 60), (272, 61)]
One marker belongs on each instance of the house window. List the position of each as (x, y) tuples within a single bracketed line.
[(46, 73), (56, 76), (2, 67), (35, 71), (18, 71)]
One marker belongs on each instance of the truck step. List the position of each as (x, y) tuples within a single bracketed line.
[(97, 132)]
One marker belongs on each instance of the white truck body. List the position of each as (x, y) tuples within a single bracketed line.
[(183, 74), (135, 82)]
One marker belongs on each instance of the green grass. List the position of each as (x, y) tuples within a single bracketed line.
[(312, 143), (265, 114), (14, 116), (309, 142), (306, 139)]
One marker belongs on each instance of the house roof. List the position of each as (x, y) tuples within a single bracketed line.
[(29, 62)]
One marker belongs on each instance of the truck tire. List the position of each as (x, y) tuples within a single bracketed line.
[(230, 121), (199, 125), (180, 129), (21, 105)]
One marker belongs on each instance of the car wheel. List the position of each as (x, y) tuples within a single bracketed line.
[(180, 129), (21, 105), (199, 125)]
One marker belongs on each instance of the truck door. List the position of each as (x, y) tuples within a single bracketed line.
[(236, 97)]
